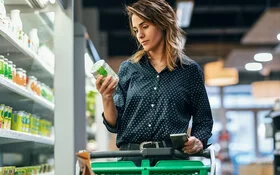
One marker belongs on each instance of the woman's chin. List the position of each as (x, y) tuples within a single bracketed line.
[(146, 49)]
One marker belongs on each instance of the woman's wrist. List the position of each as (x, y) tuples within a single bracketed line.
[(107, 98)]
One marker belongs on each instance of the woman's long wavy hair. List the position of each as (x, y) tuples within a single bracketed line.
[(161, 14)]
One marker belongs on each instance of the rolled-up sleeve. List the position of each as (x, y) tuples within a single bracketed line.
[(108, 126), (119, 96)]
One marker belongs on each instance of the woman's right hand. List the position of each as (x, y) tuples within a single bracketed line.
[(106, 86)]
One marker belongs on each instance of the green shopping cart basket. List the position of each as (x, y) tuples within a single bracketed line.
[(162, 167)]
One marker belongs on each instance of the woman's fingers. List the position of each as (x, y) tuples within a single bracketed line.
[(113, 84), (98, 82), (106, 86), (192, 145)]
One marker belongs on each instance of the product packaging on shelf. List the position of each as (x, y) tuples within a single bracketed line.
[(2, 9)]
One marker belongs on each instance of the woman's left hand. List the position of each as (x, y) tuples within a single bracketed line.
[(192, 145)]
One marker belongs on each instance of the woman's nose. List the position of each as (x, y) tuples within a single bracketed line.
[(140, 34)]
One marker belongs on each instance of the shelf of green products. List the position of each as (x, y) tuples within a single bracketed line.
[(11, 136), (12, 91)]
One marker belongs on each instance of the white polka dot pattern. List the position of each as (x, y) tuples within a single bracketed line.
[(152, 105)]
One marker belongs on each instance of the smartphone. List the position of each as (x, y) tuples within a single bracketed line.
[(178, 140)]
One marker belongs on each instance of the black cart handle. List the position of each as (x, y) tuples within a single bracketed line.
[(149, 152)]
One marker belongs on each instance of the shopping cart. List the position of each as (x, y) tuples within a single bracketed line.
[(162, 167)]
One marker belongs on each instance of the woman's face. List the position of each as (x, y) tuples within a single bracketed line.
[(148, 35)]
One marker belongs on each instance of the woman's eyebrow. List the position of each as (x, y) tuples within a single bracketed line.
[(134, 27)]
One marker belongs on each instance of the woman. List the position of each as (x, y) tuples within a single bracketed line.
[(159, 88)]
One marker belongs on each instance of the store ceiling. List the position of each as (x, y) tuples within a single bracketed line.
[(265, 29), (239, 57), (217, 27)]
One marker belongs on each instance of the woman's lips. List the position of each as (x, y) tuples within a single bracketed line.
[(144, 42)]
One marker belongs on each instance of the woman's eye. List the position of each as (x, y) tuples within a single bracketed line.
[(145, 26)]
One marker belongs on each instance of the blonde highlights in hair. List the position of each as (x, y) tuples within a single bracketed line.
[(161, 14)]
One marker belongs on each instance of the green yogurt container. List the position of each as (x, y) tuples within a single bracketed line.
[(102, 68)]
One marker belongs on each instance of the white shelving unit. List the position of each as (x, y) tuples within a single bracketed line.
[(12, 88), (51, 173), (10, 44), (68, 108), (10, 136), (18, 2), (19, 97)]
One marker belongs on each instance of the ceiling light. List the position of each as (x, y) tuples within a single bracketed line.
[(216, 75), (278, 36), (253, 66), (184, 12), (263, 57)]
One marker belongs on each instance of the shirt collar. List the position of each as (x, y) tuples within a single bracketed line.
[(185, 60)]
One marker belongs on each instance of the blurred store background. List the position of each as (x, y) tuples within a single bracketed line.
[(48, 47), (237, 43)]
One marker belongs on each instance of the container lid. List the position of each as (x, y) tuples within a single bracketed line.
[(97, 64)]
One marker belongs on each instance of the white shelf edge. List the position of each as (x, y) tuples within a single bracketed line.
[(11, 134), (24, 92), (18, 2), (23, 49), (50, 173), (275, 114)]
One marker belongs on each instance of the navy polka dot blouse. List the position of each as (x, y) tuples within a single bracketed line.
[(152, 105)]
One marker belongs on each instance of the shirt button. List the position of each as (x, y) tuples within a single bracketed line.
[(155, 88), (152, 105), (157, 76), (149, 125)]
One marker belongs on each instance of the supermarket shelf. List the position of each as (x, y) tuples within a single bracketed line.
[(14, 48), (22, 4), (13, 90), (39, 21), (10, 136), (275, 114), (50, 173), (18, 3)]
